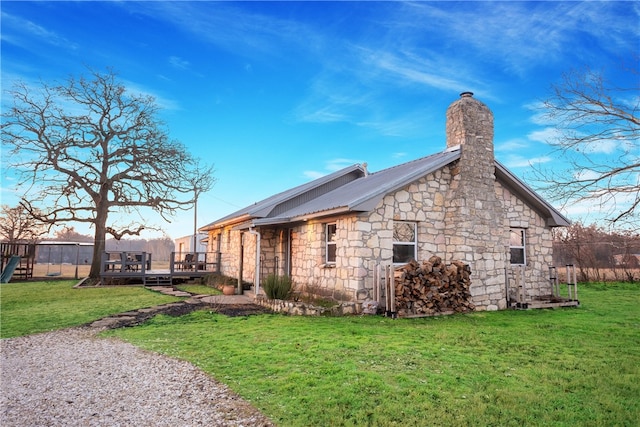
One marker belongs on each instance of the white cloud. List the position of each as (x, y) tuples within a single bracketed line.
[(339, 163), (548, 135), (313, 174), (330, 166), (414, 71), (179, 63), (17, 30), (586, 174), (512, 145), (516, 161), (162, 102)]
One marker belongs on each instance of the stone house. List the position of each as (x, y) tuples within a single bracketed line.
[(331, 233)]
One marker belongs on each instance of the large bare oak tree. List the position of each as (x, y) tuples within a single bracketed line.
[(598, 138), (88, 148)]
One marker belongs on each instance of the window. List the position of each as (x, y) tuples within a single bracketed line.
[(404, 242), (331, 244), (517, 246)]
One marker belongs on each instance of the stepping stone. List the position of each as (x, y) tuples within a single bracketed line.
[(128, 313), (179, 294)]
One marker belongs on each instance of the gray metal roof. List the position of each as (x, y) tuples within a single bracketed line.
[(365, 193), (353, 190), (264, 207)]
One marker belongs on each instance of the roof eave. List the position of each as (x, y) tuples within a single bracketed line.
[(302, 218), (226, 223)]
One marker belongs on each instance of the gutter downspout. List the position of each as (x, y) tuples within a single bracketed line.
[(257, 278)]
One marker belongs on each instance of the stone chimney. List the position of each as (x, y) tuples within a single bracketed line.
[(470, 125), (475, 218)]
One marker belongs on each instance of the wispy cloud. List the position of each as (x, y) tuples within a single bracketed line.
[(412, 70), (514, 161), (237, 29), (140, 89), (330, 166), (548, 135), (511, 145), (179, 63), (19, 31)]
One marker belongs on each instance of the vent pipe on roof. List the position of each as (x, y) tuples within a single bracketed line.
[(364, 168)]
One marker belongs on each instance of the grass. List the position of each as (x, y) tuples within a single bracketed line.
[(547, 367), (31, 307)]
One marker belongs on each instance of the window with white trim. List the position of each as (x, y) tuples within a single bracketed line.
[(517, 246), (330, 252), (404, 242)]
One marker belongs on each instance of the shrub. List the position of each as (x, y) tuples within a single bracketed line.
[(278, 287)]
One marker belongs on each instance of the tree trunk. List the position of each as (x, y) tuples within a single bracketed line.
[(98, 244)]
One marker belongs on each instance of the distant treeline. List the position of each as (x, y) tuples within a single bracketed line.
[(598, 254)]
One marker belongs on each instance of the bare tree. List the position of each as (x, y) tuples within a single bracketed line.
[(597, 253), (69, 234), (88, 148), (17, 225), (591, 115)]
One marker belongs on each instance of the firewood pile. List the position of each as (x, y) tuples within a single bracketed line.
[(432, 288)]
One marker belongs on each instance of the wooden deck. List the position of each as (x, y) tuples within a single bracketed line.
[(550, 301), (136, 267)]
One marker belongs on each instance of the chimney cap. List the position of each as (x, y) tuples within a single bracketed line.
[(466, 95)]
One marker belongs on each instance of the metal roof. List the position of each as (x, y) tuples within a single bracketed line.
[(264, 207), (365, 193), (353, 190)]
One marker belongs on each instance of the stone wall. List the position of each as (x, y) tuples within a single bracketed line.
[(297, 308), (230, 242), (309, 269), (538, 242)]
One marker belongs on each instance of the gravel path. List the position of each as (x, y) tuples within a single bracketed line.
[(72, 378)]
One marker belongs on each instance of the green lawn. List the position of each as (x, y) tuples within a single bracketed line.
[(562, 367), (31, 307), (549, 367)]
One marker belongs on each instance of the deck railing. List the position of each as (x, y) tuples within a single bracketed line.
[(125, 263), (203, 262), (136, 266)]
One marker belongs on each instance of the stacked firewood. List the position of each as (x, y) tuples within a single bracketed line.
[(433, 287)]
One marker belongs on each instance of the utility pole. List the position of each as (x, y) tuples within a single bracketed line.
[(195, 222)]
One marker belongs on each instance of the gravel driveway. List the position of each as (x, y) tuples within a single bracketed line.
[(72, 378)]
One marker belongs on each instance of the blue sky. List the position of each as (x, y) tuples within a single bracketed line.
[(278, 93)]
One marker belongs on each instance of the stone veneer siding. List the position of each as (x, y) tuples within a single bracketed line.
[(366, 240)]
